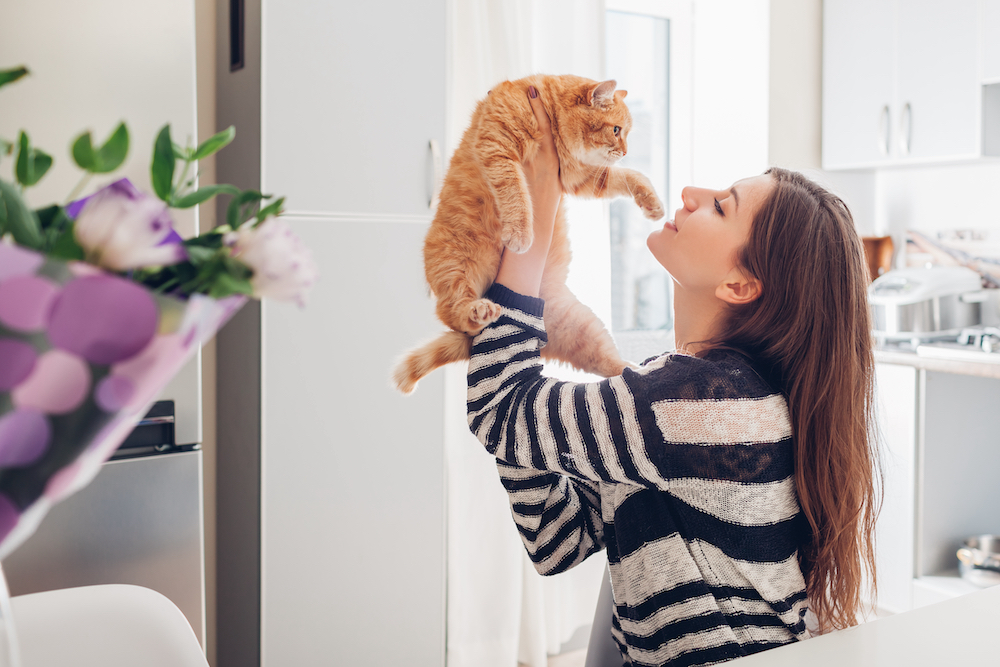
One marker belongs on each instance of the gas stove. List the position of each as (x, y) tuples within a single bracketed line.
[(980, 344)]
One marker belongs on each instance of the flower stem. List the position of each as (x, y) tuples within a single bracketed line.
[(180, 181), (79, 187)]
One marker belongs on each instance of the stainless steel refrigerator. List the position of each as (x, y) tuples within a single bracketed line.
[(139, 522)]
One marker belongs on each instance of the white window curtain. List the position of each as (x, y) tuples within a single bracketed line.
[(500, 611)]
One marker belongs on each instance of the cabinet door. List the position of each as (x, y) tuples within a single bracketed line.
[(857, 82), (352, 93), (990, 39), (937, 113), (896, 388), (353, 535)]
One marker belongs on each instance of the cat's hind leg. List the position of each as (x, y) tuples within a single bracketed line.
[(466, 311)]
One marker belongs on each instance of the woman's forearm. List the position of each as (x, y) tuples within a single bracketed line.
[(522, 273)]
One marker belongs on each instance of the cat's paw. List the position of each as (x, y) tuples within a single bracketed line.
[(517, 239), (650, 204), (481, 312)]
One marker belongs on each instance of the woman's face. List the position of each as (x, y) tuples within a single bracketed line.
[(698, 247)]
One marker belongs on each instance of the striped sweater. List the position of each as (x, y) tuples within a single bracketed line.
[(681, 469)]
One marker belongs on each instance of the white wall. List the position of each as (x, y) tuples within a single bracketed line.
[(730, 91), (795, 91)]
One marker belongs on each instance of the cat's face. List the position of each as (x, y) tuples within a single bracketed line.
[(603, 126)]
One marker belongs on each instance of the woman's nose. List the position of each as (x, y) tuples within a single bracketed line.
[(689, 195)]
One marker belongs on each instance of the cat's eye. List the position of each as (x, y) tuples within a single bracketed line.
[(617, 130)]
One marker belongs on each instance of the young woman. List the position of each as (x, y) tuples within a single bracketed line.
[(731, 481)]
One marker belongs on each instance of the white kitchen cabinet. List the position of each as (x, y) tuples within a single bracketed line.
[(937, 79), (938, 434), (901, 82), (990, 39), (354, 92), (959, 460), (858, 70), (894, 539)]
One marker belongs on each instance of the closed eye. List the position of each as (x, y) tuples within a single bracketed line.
[(718, 208)]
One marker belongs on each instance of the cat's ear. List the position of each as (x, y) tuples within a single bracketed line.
[(603, 94), (620, 94)]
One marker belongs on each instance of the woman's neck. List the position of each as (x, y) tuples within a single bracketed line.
[(696, 319)]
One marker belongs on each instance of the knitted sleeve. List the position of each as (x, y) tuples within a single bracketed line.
[(558, 518), (646, 428)]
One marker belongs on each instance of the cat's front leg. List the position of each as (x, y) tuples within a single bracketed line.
[(621, 182), (513, 203), (641, 190)]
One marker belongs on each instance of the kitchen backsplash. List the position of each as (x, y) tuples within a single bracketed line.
[(958, 204)]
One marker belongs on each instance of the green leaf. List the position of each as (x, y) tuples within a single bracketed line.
[(211, 239), (182, 153), (32, 163), (226, 285), (6, 147), (112, 154), (105, 159), (200, 254), (215, 143), (274, 208), (204, 194), (83, 152), (18, 219), (162, 168), (236, 212), (11, 75), (65, 245)]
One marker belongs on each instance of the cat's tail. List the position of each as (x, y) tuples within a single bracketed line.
[(446, 348)]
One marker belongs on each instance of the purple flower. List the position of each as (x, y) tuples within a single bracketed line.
[(121, 228), (282, 265)]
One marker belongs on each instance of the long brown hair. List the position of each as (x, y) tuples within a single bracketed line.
[(810, 332)]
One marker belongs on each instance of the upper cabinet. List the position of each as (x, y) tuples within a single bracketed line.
[(990, 39), (902, 81), (353, 94)]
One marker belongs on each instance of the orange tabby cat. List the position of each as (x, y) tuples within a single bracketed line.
[(485, 207)]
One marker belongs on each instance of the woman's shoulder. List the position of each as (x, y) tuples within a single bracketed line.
[(719, 374)]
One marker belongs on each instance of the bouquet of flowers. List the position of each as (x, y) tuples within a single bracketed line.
[(102, 302)]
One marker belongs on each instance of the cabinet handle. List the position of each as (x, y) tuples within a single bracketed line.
[(906, 129), (883, 131), (436, 174)]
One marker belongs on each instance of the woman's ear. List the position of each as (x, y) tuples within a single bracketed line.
[(738, 289)]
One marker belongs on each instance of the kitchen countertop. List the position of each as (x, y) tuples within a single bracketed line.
[(958, 630), (972, 363)]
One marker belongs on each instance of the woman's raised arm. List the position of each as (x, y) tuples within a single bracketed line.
[(522, 273)]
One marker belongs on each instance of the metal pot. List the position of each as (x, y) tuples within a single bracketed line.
[(926, 302), (979, 560)]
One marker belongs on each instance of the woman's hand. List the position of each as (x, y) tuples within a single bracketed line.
[(522, 273)]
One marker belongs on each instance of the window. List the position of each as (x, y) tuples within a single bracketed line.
[(637, 53), (647, 50)]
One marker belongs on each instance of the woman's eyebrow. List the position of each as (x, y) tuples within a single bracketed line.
[(732, 191)]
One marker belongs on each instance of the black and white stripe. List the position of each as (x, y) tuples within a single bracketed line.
[(682, 469)]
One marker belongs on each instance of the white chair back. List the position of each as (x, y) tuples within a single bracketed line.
[(114, 625)]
